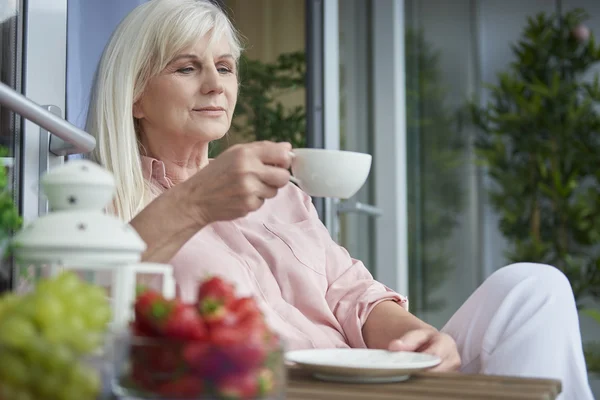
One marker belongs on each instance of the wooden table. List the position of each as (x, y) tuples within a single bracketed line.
[(302, 386)]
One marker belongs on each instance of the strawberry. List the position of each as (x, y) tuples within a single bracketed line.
[(249, 385), (244, 343), (210, 362), (245, 306), (144, 303), (169, 318), (184, 386), (139, 328), (183, 322), (214, 297)]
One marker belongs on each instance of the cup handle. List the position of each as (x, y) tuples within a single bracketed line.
[(295, 180)]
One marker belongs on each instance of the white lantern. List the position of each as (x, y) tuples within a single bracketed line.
[(77, 234)]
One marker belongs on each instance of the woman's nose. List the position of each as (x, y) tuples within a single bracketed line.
[(211, 81)]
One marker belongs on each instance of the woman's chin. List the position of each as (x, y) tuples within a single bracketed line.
[(210, 133)]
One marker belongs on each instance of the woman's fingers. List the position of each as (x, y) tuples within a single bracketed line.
[(446, 350), (431, 342), (275, 177), (277, 154), (412, 340)]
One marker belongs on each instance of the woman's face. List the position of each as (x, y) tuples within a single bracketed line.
[(193, 98)]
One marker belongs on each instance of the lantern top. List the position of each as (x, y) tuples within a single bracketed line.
[(77, 230)]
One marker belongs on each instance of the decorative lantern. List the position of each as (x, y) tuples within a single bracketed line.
[(78, 235)]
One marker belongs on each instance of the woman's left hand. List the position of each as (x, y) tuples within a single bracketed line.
[(432, 342)]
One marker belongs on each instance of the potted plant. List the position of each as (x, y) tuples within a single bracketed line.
[(592, 352), (10, 221), (539, 142)]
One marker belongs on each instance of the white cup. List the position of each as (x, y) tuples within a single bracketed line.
[(330, 173)]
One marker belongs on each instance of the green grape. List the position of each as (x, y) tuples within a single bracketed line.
[(7, 392), (59, 359), (48, 309), (26, 306), (46, 286), (36, 351), (13, 369), (97, 294), (9, 302), (23, 394), (98, 317), (56, 334), (49, 385), (17, 332), (84, 342), (70, 392), (67, 282), (86, 379), (78, 301), (74, 321)]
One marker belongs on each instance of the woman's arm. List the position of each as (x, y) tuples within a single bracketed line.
[(233, 185), (389, 321), (166, 224)]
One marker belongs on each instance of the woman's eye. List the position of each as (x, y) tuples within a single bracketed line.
[(186, 70), (223, 69)]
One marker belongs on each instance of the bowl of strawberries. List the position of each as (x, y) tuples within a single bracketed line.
[(218, 347)]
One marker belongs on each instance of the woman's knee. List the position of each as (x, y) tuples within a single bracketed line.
[(544, 278)]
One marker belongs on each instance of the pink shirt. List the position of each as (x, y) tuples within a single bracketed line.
[(310, 289)]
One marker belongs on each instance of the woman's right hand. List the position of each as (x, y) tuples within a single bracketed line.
[(238, 181)]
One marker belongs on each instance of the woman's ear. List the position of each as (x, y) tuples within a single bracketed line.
[(137, 110)]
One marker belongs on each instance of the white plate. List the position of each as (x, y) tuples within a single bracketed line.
[(361, 365)]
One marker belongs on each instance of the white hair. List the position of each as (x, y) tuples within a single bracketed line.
[(139, 49)]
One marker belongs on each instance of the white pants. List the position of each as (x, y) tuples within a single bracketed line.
[(522, 321)]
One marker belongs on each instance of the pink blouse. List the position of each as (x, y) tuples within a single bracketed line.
[(310, 289)]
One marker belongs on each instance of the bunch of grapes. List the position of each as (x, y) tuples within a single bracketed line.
[(45, 337)]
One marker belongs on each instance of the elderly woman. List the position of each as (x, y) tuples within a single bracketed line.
[(166, 87)]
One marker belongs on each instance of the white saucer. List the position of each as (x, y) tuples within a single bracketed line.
[(361, 365)]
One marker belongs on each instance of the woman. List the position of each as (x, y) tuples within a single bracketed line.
[(166, 87)]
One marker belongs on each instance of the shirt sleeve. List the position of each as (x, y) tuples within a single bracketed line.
[(352, 292)]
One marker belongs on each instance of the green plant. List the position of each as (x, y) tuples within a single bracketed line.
[(261, 113), (10, 220), (592, 349), (436, 151), (539, 142)]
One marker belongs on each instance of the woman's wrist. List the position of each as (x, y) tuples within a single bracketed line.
[(166, 224), (389, 321), (184, 199)]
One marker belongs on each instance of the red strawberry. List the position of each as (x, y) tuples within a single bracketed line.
[(227, 335), (184, 386), (245, 306), (144, 303), (170, 318), (183, 322), (247, 386), (138, 328), (214, 296)]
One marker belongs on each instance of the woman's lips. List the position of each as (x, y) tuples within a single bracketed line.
[(210, 111)]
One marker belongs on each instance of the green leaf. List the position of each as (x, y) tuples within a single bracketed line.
[(592, 313)]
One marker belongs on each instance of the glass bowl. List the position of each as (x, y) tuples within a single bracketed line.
[(161, 368)]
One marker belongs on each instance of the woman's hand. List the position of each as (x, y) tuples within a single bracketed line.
[(433, 342), (238, 181)]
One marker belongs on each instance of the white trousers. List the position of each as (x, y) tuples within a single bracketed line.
[(522, 321)]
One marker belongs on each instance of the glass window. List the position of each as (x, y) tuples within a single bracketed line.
[(444, 243), (10, 66)]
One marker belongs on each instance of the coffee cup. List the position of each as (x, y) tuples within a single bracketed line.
[(330, 173)]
